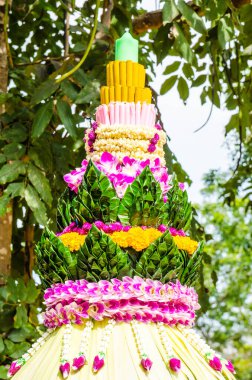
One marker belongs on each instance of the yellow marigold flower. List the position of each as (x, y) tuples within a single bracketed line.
[(136, 237), (72, 240), (186, 243)]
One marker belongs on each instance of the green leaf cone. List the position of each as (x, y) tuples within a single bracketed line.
[(55, 263), (96, 198), (179, 208), (101, 259), (142, 204)]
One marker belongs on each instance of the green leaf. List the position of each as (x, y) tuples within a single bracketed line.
[(65, 115), (225, 31), (11, 171), (14, 151), (171, 68), (3, 372), (35, 204), (42, 119), (13, 190), (15, 133), (162, 44), (187, 70), (46, 89), (32, 292), (183, 88), (182, 45), (195, 21), (20, 317), (199, 80), (1, 344), (170, 11), (21, 334), (40, 182), (168, 84)]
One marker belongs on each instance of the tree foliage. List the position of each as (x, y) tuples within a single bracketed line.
[(227, 277)]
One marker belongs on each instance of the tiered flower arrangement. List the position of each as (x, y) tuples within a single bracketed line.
[(122, 253)]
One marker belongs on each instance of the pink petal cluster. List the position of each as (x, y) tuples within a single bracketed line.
[(113, 227), (65, 369), (123, 300), (153, 143), (78, 362), (146, 363), (98, 362), (122, 174), (175, 364), (230, 367), (15, 367), (215, 363)]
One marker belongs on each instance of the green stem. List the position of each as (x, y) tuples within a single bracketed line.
[(75, 68)]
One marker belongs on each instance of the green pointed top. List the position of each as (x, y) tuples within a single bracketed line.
[(126, 48)]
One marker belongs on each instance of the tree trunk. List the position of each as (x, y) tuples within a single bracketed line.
[(154, 19), (6, 220)]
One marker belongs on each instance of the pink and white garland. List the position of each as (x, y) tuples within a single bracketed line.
[(123, 300)]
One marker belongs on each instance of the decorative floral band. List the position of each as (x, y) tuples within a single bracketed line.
[(138, 238), (123, 300), (121, 174)]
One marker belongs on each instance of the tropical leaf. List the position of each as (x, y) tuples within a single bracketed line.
[(99, 258), (42, 119), (142, 204)]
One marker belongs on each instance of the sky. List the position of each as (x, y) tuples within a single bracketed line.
[(197, 152)]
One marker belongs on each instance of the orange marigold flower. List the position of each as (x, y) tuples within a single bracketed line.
[(186, 243), (72, 240)]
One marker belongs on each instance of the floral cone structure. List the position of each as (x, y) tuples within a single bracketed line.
[(119, 272)]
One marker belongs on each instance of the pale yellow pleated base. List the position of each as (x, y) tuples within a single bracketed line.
[(122, 361)]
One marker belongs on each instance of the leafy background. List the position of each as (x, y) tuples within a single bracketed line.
[(42, 129)]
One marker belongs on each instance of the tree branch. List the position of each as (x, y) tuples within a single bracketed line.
[(71, 72), (154, 19), (66, 31)]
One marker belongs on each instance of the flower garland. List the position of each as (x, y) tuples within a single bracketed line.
[(122, 300), (120, 174), (138, 238)]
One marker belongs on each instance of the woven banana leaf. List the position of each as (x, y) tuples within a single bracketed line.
[(100, 258), (143, 202)]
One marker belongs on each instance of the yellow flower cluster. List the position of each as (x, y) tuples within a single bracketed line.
[(186, 243), (136, 237), (72, 240)]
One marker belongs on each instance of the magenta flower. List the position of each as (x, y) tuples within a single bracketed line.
[(151, 148), (14, 367), (215, 363), (146, 363), (175, 364), (78, 362), (98, 362), (65, 369), (158, 127), (182, 186), (230, 367)]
